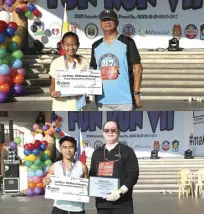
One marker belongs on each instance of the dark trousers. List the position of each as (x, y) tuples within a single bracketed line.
[(56, 210), (126, 210)]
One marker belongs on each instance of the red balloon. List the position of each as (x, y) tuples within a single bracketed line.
[(13, 25), (61, 134), (9, 81), (5, 87), (59, 119), (18, 79), (37, 144), (21, 1), (31, 146), (26, 146), (36, 13), (13, 72), (3, 26), (45, 142), (24, 7)]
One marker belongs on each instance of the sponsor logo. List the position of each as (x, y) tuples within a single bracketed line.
[(144, 32), (128, 30), (91, 31), (74, 27), (98, 144), (166, 145), (175, 146), (202, 32), (177, 31), (55, 29), (196, 140), (191, 31), (156, 145)]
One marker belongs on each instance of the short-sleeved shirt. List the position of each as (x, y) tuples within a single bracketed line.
[(116, 62), (64, 103)]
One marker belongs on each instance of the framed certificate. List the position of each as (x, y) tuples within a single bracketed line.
[(102, 186)]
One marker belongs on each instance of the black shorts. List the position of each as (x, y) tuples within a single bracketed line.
[(126, 210), (56, 210)]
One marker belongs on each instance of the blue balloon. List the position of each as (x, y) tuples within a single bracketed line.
[(36, 152), (31, 174), (10, 31), (39, 173), (16, 63), (57, 129), (43, 147), (4, 69), (31, 7), (27, 152), (2, 38)]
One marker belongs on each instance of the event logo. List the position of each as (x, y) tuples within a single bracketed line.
[(191, 31), (156, 145), (175, 146), (177, 31), (144, 32), (74, 27), (128, 30), (166, 145), (196, 140), (98, 144), (202, 32), (91, 31), (126, 5), (55, 28)]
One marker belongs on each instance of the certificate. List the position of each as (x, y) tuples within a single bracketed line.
[(101, 186), (68, 189), (77, 82)]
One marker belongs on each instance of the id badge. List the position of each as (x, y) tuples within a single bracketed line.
[(105, 168)]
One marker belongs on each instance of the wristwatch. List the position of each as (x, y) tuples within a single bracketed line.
[(136, 93)]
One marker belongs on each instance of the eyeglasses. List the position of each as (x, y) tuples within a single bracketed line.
[(110, 130)]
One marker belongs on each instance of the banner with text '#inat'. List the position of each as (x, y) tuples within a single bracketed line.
[(142, 131), (143, 20)]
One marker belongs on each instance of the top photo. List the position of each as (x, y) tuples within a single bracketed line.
[(107, 55)]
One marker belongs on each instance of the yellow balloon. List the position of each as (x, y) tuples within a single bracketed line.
[(2, 46), (16, 39), (30, 157), (47, 152)]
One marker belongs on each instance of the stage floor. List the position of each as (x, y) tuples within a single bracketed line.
[(143, 204)]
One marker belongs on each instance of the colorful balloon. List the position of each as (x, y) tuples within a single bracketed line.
[(2, 38), (29, 192), (5, 16), (36, 13), (27, 152), (5, 87), (4, 69), (31, 185), (18, 54), (13, 46), (16, 63), (17, 89), (17, 140), (13, 25), (16, 39), (10, 31), (3, 52), (3, 26), (13, 145), (18, 79), (2, 79)]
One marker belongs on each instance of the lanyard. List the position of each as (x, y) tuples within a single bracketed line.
[(67, 65), (64, 169)]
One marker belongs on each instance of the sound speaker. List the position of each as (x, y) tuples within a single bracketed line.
[(11, 186), (2, 136), (11, 169)]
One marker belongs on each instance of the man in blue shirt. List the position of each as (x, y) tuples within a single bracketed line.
[(116, 56)]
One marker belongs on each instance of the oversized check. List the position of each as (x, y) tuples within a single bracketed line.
[(101, 187), (68, 189), (77, 82)]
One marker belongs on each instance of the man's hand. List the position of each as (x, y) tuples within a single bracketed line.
[(137, 101), (114, 196), (55, 94)]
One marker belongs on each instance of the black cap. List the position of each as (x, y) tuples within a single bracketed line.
[(108, 14)]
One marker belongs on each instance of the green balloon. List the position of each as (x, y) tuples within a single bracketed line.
[(38, 162), (34, 167), (17, 54), (45, 157), (17, 140), (28, 14), (48, 162), (13, 46), (2, 52), (28, 163)]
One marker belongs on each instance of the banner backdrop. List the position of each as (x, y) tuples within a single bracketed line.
[(151, 23), (143, 131)]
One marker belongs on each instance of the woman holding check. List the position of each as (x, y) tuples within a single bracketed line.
[(67, 167), (70, 44)]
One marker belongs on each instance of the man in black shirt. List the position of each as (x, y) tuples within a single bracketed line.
[(121, 163), (116, 56)]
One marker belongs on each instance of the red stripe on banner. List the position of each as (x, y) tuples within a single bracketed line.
[(83, 157)]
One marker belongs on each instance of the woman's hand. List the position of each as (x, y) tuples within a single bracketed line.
[(46, 180), (55, 94)]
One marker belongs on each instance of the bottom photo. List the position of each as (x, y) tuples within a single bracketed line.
[(102, 162)]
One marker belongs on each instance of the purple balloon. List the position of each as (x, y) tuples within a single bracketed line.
[(13, 145), (37, 191), (17, 89), (19, 10), (9, 3), (3, 97), (30, 192)]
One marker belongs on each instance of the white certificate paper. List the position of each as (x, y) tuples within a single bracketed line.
[(71, 82), (68, 189), (101, 187)]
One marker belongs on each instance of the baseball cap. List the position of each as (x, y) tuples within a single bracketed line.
[(108, 14)]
